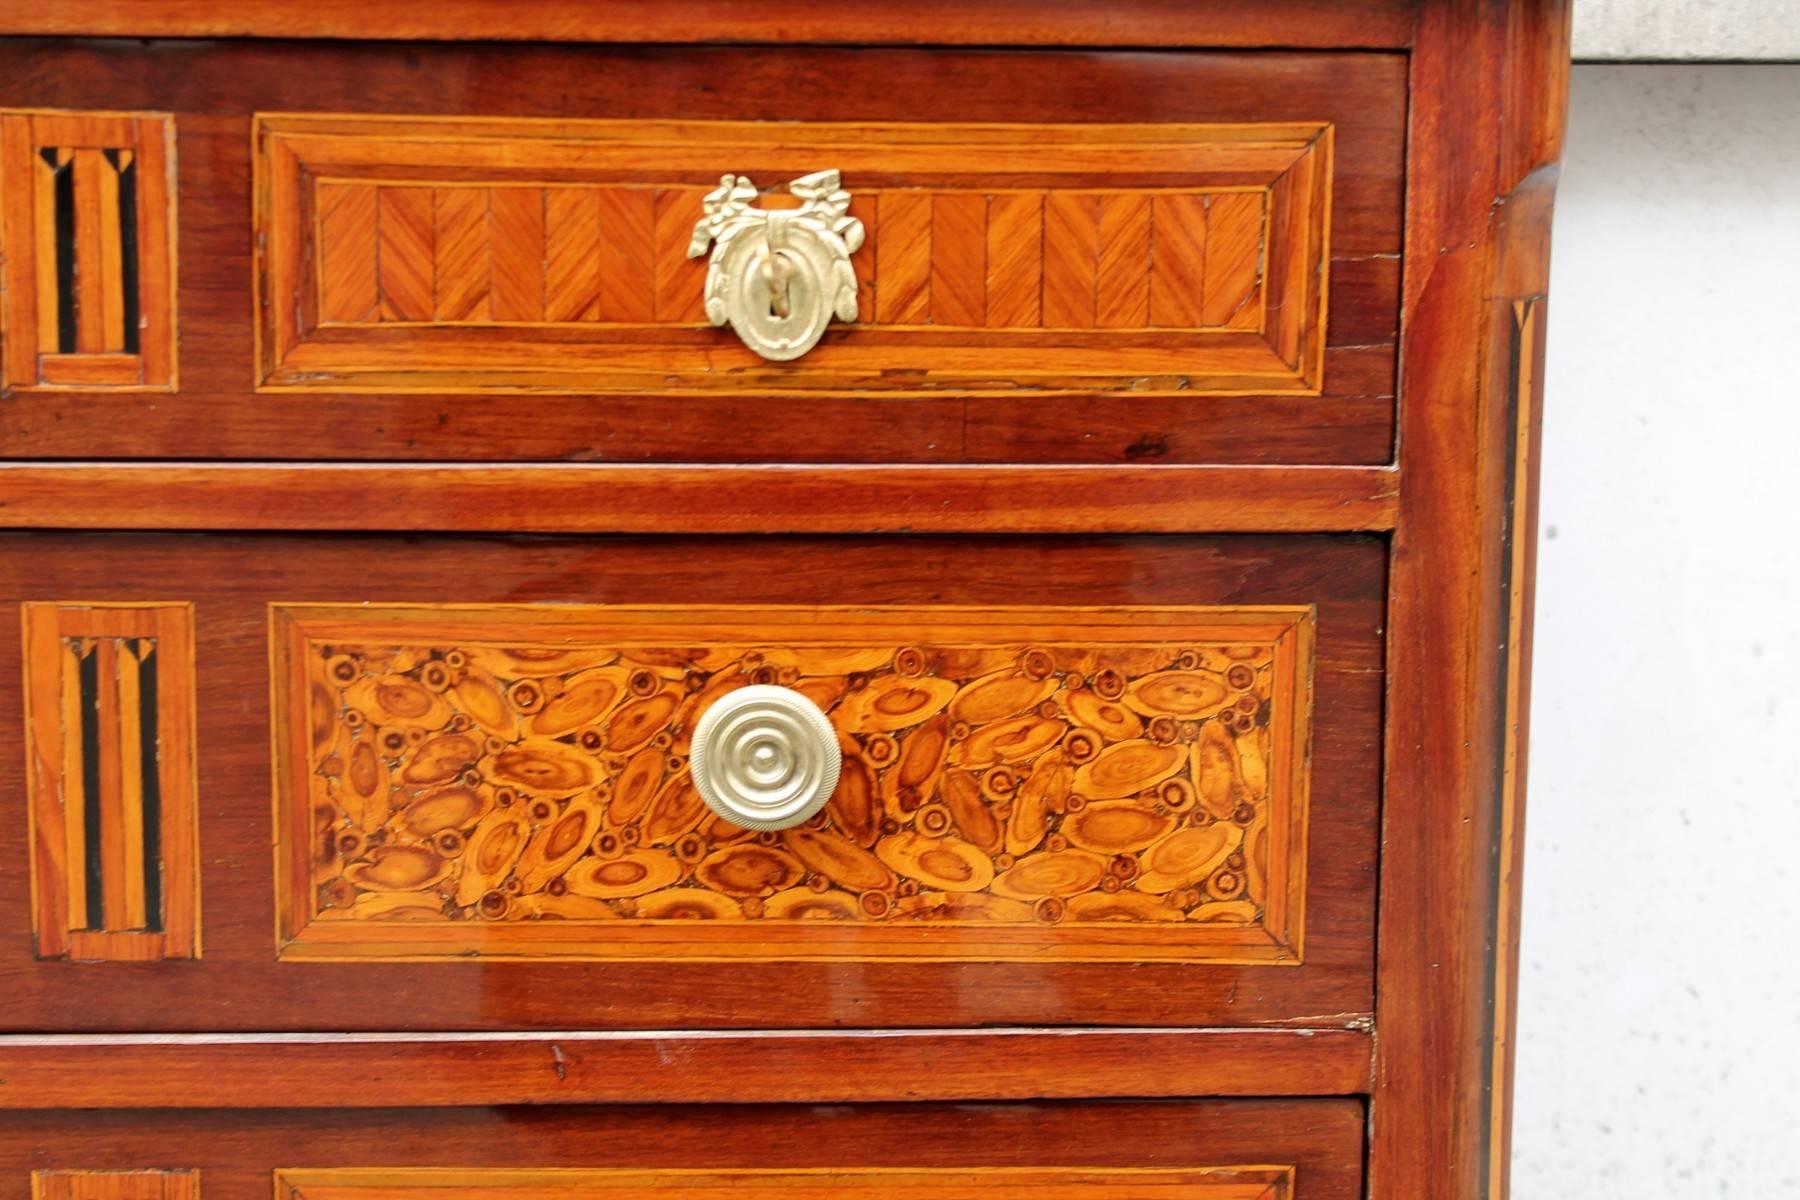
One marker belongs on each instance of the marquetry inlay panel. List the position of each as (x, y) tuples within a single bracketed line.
[(1023, 784), (87, 226), (834, 1183), (115, 1185), (474, 255), (109, 706)]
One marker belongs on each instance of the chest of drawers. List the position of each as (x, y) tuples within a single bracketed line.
[(890, 601)]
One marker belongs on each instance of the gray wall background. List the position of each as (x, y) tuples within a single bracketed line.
[(1687, 29), (1659, 1018)]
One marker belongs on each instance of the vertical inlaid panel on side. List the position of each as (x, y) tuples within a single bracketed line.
[(115, 1185), (109, 716), (87, 240)]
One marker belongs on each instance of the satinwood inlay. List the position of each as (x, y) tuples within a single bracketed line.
[(1057, 784), (482, 254), (109, 704), (87, 232)]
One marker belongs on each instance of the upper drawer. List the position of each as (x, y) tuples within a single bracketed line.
[(518, 253)]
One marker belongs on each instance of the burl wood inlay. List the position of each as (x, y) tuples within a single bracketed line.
[(829, 1183), (109, 707), (115, 1185), (87, 226), (424, 253), (1030, 784)]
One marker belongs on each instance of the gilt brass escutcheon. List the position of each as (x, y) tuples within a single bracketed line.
[(777, 275)]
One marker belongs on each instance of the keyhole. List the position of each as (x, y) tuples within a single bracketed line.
[(776, 271)]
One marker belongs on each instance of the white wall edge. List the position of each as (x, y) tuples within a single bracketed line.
[(1687, 30)]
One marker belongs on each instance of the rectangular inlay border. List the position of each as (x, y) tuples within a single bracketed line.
[(109, 706), (115, 1185), (1258, 1182), (87, 230), (1032, 784), (462, 254)]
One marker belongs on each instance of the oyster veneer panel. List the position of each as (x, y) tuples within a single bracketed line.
[(1018, 784)]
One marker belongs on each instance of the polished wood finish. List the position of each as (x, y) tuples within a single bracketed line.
[(1017, 785), (87, 225), (1331, 24), (238, 1152), (1484, 166), (435, 255), (795, 416), (240, 985), (115, 1185), (459, 1070), (1212, 1182), (654, 500), (110, 780), (1446, 117)]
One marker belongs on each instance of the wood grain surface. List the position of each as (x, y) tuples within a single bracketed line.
[(215, 88), (115, 1185), (240, 985), (238, 1152), (646, 499), (1484, 164), (461, 1070), (1332, 24)]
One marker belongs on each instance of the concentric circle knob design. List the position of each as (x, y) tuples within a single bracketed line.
[(765, 757)]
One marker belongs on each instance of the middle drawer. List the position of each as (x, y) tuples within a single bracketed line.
[(1107, 781)]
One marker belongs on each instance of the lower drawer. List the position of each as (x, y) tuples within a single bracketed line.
[(1213, 1150), (448, 783)]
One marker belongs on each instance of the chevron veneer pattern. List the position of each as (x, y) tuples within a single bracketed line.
[(1017, 260), (481, 254)]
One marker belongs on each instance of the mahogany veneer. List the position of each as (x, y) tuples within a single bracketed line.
[(382, 511)]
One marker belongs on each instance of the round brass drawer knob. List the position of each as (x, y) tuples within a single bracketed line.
[(765, 757)]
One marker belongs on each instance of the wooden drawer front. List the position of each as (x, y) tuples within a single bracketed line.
[(485, 255), (1128, 780), (1244, 1150), (998, 1183), (466, 252), (1038, 784)]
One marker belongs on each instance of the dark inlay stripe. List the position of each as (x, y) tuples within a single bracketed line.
[(152, 789), (90, 787), (64, 191), (128, 250)]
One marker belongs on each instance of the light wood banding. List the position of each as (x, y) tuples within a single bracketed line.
[(959, 255), (109, 703), (87, 251), (1019, 785), (115, 1185), (1221, 1182)]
